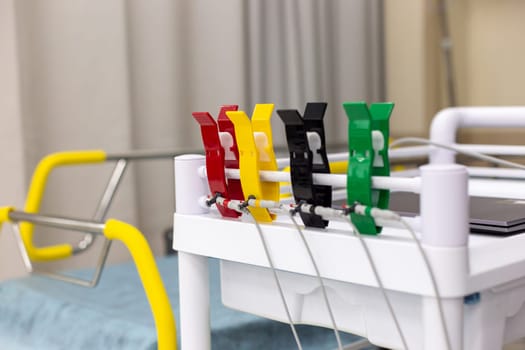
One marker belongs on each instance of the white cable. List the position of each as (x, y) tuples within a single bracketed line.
[(274, 271), (335, 213), (473, 154), (432, 278), (391, 215), (323, 288), (276, 206), (378, 280)]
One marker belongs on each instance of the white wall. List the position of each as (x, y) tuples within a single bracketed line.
[(12, 184), (183, 56), (75, 95), (487, 53), (489, 50)]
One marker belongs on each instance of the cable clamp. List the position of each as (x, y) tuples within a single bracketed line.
[(213, 199), (244, 205), (347, 210), (297, 208)]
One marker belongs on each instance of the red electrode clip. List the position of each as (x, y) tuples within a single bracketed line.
[(229, 144), (221, 151)]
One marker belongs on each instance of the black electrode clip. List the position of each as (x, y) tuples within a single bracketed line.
[(307, 146)]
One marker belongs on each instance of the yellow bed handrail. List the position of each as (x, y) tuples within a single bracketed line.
[(150, 277), (38, 186), (36, 192)]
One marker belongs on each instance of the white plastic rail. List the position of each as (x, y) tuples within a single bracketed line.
[(446, 123)]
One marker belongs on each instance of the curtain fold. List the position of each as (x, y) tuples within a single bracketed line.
[(300, 51)]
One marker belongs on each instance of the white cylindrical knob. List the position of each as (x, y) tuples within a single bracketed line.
[(189, 186), (444, 205)]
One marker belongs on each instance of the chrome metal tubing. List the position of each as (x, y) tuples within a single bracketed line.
[(29, 266), (100, 215), (104, 204), (446, 49), (66, 278), (111, 188), (64, 223), (22, 248), (101, 262), (145, 155), (57, 222)]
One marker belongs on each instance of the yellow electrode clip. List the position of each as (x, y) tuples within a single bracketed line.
[(255, 144)]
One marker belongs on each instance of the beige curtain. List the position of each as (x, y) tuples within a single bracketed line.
[(121, 75)]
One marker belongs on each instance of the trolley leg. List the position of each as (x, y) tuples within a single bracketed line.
[(492, 339), (194, 289), (194, 282), (434, 336), (444, 217)]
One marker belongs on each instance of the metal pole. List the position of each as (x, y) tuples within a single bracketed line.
[(446, 48), (57, 222), (147, 154), (103, 208)]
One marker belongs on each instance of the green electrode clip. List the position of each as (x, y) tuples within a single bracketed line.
[(368, 134)]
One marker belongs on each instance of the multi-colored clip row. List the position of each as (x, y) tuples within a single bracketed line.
[(235, 141), (248, 146)]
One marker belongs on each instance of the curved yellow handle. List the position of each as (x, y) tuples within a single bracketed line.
[(36, 192), (151, 280)]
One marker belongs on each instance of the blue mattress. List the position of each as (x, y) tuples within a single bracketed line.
[(40, 313)]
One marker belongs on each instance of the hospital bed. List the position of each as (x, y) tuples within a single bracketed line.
[(469, 296)]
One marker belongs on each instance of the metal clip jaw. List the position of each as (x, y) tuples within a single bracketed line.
[(215, 159), (368, 133), (254, 140), (306, 144)]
